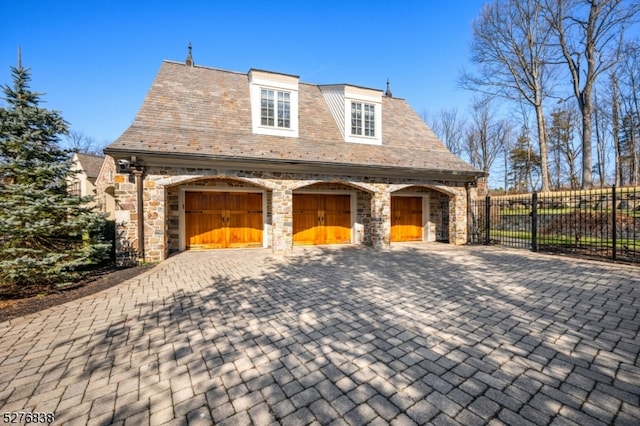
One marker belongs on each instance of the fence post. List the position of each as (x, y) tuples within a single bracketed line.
[(487, 219), (534, 222), (614, 235)]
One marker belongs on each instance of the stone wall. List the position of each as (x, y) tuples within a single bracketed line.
[(373, 204)]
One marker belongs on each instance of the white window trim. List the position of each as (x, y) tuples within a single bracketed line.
[(363, 119), (276, 107), (363, 99), (278, 83)]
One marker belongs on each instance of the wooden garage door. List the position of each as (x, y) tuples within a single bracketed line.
[(223, 219), (406, 219), (321, 219)]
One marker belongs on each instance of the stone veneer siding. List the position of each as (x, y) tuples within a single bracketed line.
[(373, 204)]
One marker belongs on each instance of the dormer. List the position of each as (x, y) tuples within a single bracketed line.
[(274, 103), (357, 111)]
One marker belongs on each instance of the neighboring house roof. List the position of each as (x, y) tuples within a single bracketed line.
[(90, 164), (204, 113)]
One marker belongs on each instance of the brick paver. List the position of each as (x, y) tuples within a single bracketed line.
[(338, 335)]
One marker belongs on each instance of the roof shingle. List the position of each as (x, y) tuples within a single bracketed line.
[(206, 112), (90, 163)]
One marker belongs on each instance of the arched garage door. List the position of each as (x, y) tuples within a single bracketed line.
[(223, 219), (321, 219)]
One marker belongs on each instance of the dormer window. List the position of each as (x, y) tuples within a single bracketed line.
[(360, 122), (275, 108), (357, 111), (274, 103)]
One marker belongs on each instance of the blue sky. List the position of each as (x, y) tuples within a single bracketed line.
[(95, 60)]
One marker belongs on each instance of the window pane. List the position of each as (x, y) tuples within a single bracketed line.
[(267, 107), (369, 120), (284, 110), (356, 118)]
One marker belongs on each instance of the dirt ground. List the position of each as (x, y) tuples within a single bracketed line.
[(14, 305)]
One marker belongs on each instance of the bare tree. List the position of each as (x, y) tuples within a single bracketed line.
[(589, 33), (449, 125), (615, 124), (79, 142), (629, 131), (486, 136), (602, 128), (511, 49)]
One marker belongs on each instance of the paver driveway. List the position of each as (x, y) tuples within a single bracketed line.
[(416, 334)]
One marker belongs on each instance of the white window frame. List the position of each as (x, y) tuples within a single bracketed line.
[(364, 97), (263, 80), (279, 108), (365, 119)]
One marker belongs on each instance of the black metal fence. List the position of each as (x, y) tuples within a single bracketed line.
[(603, 223)]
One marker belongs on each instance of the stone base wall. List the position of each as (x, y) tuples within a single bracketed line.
[(161, 197)]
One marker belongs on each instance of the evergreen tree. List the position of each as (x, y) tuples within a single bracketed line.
[(46, 235), (525, 163)]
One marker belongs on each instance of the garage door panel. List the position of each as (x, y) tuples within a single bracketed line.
[(406, 219), (245, 229), (337, 234), (204, 230), (321, 219), (304, 228), (223, 219)]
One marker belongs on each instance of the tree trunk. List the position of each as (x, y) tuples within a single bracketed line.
[(615, 107), (542, 139), (587, 151)]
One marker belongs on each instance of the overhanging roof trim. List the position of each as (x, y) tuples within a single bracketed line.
[(345, 167)]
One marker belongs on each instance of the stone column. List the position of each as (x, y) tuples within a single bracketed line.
[(156, 227), (381, 218), (282, 221), (458, 217), (126, 220)]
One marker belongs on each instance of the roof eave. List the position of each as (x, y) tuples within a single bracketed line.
[(285, 165)]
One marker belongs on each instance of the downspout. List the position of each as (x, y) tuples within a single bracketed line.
[(138, 173)]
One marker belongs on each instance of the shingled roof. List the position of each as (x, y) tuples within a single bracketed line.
[(204, 113), (91, 165)]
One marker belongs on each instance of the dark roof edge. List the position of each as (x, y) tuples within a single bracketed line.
[(271, 163), (169, 61), (273, 72), (350, 85)]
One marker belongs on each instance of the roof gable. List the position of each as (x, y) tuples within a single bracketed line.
[(90, 164)]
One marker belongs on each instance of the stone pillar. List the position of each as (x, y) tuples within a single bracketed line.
[(282, 221), (458, 217), (381, 219), (154, 220), (126, 220)]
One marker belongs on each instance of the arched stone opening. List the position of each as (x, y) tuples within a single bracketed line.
[(331, 212), (217, 212), (420, 213)]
